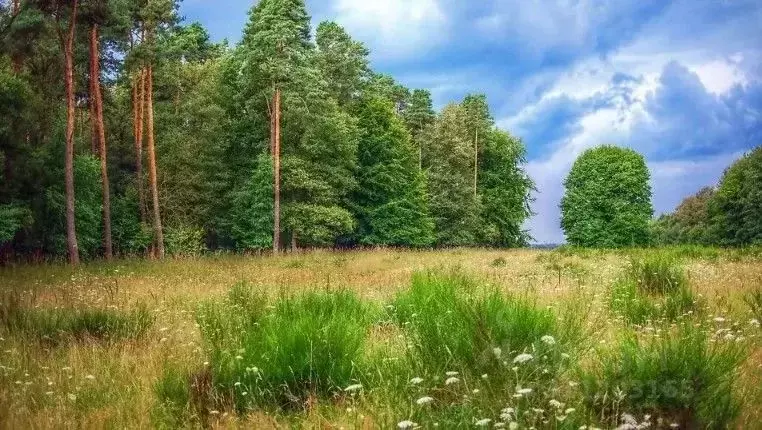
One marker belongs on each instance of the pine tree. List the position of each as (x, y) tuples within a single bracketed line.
[(275, 45), (391, 200), (342, 61)]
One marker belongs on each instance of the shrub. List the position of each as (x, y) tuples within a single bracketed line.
[(301, 346), (184, 241), (680, 377)]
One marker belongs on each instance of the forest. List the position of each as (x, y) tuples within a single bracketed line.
[(129, 132)]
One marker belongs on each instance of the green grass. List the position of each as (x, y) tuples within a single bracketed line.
[(682, 376), (654, 288), (60, 325), (282, 354)]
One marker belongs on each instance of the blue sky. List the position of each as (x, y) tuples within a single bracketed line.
[(680, 81)]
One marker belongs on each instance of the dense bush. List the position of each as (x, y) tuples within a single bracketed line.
[(608, 199)]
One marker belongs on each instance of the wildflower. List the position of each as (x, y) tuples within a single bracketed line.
[(754, 322), (483, 422), (499, 425), (425, 400), (629, 419), (719, 319), (569, 410), (353, 387), (163, 339), (72, 397), (497, 351), (407, 424), (452, 380), (416, 380), (485, 376), (451, 373), (548, 339), (238, 357), (90, 377), (524, 391), (507, 414), (675, 425), (522, 358), (476, 391), (513, 425), (556, 404)]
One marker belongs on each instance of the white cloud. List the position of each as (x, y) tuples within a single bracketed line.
[(393, 29)]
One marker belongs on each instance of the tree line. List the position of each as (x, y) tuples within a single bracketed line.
[(126, 131), (607, 204)]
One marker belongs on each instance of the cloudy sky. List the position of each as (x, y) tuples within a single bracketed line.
[(679, 81)]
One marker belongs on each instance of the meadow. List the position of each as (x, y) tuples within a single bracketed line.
[(569, 338)]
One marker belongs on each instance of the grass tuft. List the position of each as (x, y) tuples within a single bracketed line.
[(682, 377)]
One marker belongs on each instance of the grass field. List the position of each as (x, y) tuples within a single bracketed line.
[(387, 339)]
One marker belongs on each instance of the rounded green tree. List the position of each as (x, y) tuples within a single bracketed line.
[(608, 199)]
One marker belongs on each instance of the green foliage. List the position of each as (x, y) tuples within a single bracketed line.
[(12, 219), (184, 241), (88, 208), (390, 201), (252, 209), (689, 224), (504, 189), (342, 61), (608, 199), (449, 161), (309, 344), (130, 236), (753, 300), (173, 392), (681, 377), (657, 273), (736, 207)]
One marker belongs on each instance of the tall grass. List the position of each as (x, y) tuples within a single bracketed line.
[(654, 288), (682, 377), (59, 325), (302, 346)]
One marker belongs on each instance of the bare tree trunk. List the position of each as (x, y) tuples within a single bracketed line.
[(158, 234), (101, 137), (67, 43), (138, 121), (94, 66), (476, 164), (276, 174)]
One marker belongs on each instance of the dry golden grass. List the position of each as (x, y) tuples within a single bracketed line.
[(95, 385)]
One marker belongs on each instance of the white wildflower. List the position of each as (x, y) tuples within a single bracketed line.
[(497, 351), (425, 400), (522, 358), (485, 376), (90, 377), (475, 391), (548, 339), (416, 380), (513, 425), (675, 425), (629, 419), (407, 424), (353, 387), (524, 391), (719, 319), (451, 373), (569, 410), (483, 422), (556, 404), (452, 380)]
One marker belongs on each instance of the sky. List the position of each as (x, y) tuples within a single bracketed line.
[(679, 81)]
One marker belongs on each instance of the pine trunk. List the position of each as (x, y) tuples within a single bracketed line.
[(101, 137), (138, 92), (92, 90), (68, 51), (158, 235), (276, 173)]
